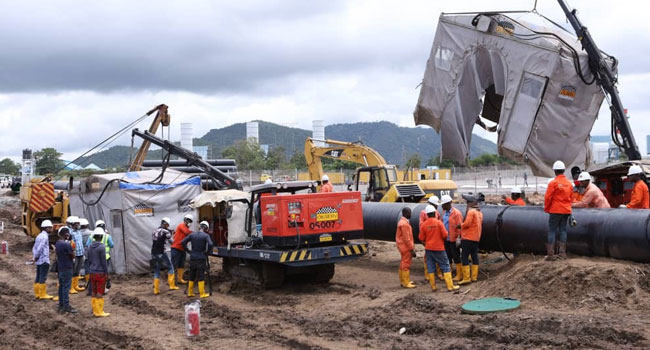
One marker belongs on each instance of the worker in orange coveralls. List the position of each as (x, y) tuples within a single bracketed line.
[(557, 203), (433, 236), (639, 199), (592, 196), (326, 185), (470, 237), (435, 202), (404, 240), (515, 197)]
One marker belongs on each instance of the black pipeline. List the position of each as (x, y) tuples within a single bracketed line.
[(615, 233)]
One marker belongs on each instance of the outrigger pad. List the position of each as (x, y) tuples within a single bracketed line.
[(490, 305)]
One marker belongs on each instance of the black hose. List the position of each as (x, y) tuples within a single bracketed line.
[(497, 228)]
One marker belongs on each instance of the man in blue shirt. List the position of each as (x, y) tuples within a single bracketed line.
[(41, 258), (77, 238), (201, 245), (64, 260)]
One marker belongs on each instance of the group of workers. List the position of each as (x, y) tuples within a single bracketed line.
[(76, 247), (448, 239)]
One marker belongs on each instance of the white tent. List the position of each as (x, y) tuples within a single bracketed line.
[(132, 205), (521, 76)]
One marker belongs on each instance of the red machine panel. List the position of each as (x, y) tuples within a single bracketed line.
[(311, 218)]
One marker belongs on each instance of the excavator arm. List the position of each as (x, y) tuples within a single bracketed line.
[(355, 152), (162, 117)]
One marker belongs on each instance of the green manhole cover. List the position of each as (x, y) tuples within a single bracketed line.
[(489, 305)]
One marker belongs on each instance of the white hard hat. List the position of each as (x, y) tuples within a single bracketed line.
[(445, 199), (204, 223), (83, 222), (515, 189), (634, 169), (325, 178), (62, 229), (268, 181), (584, 176), (429, 209), (46, 223), (434, 200), (558, 165), (72, 219), (98, 231), (188, 217), (166, 220), (99, 222)]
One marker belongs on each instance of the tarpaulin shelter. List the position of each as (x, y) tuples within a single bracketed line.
[(533, 82), (228, 205), (132, 204)]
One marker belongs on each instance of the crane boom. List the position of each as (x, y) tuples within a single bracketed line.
[(222, 180), (162, 117), (606, 79)]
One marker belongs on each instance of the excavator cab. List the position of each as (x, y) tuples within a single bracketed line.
[(379, 178)]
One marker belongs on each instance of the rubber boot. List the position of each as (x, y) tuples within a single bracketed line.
[(44, 294), (466, 278), (400, 273), (439, 273), (202, 292), (562, 249), (550, 252), (76, 285), (432, 282), (426, 270), (474, 272), (37, 290), (450, 284), (459, 273), (180, 276), (407, 279), (72, 284), (99, 306), (171, 281), (190, 289), (156, 286), (93, 303)]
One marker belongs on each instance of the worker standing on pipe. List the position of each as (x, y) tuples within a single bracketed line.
[(406, 248), (433, 235), (470, 237), (326, 186), (451, 218), (639, 198), (592, 196), (435, 201), (515, 197), (557, 203)]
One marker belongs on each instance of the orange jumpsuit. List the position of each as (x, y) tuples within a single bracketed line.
[(592, 197), (557, 199), (404, 241), (433, 235), (639, 198), (325, 188), (519, 201), (472, 226), (424, 217)]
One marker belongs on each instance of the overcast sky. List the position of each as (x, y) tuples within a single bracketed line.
[(73, 72)]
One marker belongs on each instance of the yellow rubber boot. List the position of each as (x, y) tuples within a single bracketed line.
[(76, 285), (190, 289), (474, 273), (439, 273), (426, 270), (99, 305), (432, 282), (171, 281), (466, 279), (400, 273), (72, 283), (407, 279), (459, 273), (202, 292), (93, 303), (450, 284), (44, 294), (37, 290), (156, 286), (180, 276)]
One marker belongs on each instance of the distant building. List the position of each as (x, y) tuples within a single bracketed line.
[(201, 151), (647, 144), (93, 166), (603, 149)]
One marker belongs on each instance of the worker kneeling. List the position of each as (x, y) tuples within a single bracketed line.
[(433, 235), (201, 245)]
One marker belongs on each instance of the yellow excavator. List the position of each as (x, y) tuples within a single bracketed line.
[(383, 182)]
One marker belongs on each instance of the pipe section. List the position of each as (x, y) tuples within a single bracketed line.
[(616, 233), (151, 163)]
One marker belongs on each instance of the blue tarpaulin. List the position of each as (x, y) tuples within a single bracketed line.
[(193, 181)]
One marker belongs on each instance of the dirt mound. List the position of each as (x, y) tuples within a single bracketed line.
[(591, 283)]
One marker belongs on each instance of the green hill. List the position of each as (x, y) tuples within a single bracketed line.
[(393, 142)]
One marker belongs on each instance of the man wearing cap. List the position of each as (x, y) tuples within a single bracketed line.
[(178, 252), (201, 245), (515, 197), (435, 202), (159, 259), (41, 258), (451, 218), (470, 231), (79, 253), (639, 198), (406, 248), (98, 271), (64, 260), (557, 203), (326, 185), (592, 196), (433, 236)]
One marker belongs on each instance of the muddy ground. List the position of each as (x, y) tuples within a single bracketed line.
[(581, 303)]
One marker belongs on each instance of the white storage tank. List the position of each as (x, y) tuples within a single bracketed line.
[(186, 135), (318, 132), (253, 131)]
